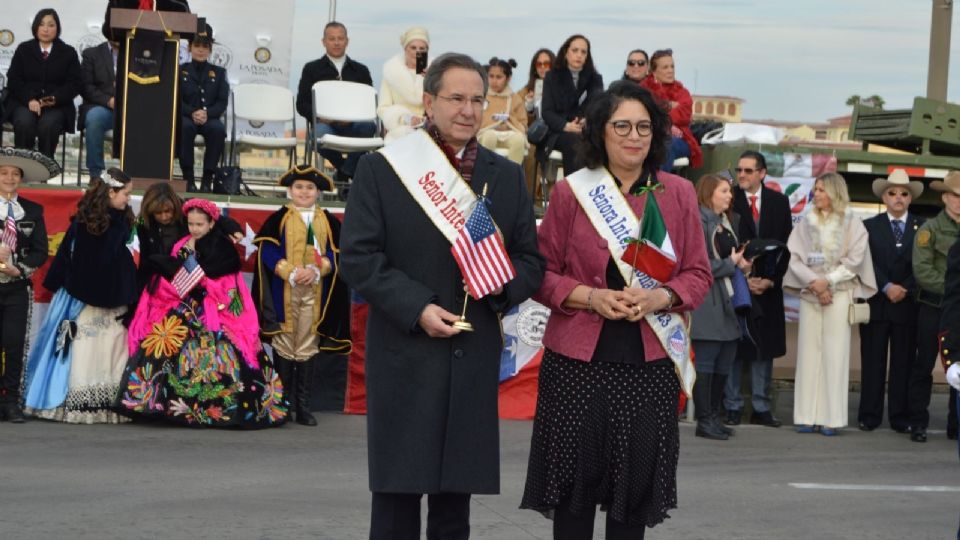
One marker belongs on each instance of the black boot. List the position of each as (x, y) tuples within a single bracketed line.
[(13, 413), (285, 371), (305, 371), (716, 401), (191, 183), (706, 425), (206, 182)]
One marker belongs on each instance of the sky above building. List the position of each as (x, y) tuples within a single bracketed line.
[(788, 60)]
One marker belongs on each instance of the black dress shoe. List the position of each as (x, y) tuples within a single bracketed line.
[(865, 427), (733, 418), (14, 414), (765, 418), (918, 434)]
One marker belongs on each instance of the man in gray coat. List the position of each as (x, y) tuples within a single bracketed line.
[(432, 388)]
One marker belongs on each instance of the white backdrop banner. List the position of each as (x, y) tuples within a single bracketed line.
[(253, 43)]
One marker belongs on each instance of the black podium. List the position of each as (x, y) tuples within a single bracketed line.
[(145, 126)]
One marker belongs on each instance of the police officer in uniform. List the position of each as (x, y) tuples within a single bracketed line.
[(950, 326), (930, 249), (23, 249), (204, 92)]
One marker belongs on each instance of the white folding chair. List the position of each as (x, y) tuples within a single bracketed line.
[(342, 101), (258, 103)]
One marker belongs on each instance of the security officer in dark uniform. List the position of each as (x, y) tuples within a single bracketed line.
[(23, 249), (204, 92), (950, 325), (930, 248)]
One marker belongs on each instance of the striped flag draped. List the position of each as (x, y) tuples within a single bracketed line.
[(481, 255), (188, 276), (9, 236)]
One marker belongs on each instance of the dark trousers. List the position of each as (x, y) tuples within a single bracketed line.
[(396, 516), (921, 370), (875, 339), (14, 308), (569, 526), (214, 136), (43, 130), (567, 144)]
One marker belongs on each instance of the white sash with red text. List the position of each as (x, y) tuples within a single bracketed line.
[(438, 188), (616, 222)]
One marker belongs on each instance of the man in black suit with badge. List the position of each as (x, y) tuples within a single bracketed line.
[(893, 311), (204, 93), (764, 213)]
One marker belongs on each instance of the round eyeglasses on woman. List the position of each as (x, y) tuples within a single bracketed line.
[(623, 128)]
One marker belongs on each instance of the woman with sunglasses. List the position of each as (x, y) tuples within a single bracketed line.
[(567, 89), (637, 66), (532, 95), (605, 432), (678, 102)]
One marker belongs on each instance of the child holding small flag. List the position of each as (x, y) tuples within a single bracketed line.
[(302, 303), (75, 367), (195, 357), (23, 249)]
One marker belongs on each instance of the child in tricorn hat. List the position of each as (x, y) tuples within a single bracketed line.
[(302, 303)]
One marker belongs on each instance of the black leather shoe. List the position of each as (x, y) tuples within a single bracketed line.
[(918, 434), (733, 418), (13, 414), (765, 418), (708, 429), (865, 427)]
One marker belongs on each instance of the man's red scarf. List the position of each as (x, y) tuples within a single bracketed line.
[(466, 162)]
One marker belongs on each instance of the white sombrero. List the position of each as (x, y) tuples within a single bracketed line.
[(897, 178), (35, 166)]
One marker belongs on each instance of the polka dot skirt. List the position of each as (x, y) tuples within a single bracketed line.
[(605, 433)]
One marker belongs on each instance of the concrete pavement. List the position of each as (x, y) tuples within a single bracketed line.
[(151, 481)]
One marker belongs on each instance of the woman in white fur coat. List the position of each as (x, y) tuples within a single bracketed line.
[(401, 91), (830, 266)]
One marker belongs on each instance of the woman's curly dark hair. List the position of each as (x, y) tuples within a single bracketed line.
[(592, 147), (93, 210)]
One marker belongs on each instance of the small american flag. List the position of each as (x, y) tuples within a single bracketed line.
[(188, 276), (9, 236), (480, 254)]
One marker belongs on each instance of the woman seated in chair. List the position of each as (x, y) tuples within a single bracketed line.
[(567, 89), (505, 119), (662, 82), (43, 79), (401, 92)]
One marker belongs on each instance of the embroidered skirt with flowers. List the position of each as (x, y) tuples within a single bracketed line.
[(605, 433), (186, 373)]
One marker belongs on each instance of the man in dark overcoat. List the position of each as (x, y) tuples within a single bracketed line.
[(432, 422), (764, 213), (893, 310)]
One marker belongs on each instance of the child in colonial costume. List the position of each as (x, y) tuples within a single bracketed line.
[(74, 369), (195, 357), (23, 248), (303, 306)]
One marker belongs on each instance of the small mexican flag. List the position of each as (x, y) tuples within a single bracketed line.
[(652, 253)]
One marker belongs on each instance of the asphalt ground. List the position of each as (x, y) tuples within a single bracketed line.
[(155, 481)]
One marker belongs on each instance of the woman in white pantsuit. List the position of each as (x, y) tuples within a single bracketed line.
[(830, 267)]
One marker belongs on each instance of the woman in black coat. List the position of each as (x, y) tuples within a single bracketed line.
[(567, 88), (43, 78)]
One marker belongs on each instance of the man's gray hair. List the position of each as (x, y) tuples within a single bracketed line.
[(445, 62)]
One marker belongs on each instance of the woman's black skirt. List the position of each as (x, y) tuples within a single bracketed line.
[(605, 433)]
